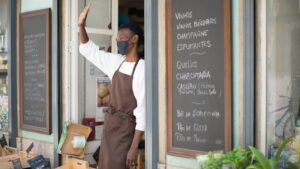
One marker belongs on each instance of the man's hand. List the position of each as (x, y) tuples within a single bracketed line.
[(133, 152), (132, 157), (83, 36), (83, 15)]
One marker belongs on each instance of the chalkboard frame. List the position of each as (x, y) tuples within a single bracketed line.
[(227, 83), (47, 22)]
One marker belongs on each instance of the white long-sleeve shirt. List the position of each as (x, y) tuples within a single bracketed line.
[(109, 63)]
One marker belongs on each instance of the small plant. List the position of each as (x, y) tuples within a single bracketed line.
[(250, 158), (236, 159), (261, 162)]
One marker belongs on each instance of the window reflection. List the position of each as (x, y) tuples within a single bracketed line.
[(283, 70)]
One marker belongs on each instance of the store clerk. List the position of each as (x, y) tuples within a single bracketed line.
[(124, 122)]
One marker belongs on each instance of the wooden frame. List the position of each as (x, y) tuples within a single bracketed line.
[(227, 84), (47, 55)]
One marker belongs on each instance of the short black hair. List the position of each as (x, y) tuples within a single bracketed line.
[(135, 29)]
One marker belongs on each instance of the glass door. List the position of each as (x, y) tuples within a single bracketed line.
[(87, 85), (102, 29)]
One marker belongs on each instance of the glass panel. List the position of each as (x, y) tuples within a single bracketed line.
[(283, 71), (89, 78), (100, 13), (3, 66)]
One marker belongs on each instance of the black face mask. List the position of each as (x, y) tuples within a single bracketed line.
[(123, 46)]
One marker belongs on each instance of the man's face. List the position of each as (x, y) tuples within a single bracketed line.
[(126, 40), (124, 35)]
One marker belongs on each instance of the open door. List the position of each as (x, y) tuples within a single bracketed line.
[(87, 85)]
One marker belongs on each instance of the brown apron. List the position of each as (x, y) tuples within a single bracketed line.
[(119, 122)]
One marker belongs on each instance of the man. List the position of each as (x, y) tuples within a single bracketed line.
[(124, 122)]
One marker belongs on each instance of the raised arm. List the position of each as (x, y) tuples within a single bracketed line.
[(107, 62), (84, 38)]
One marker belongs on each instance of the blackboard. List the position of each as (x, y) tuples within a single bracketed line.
[(199, 76), (35, 71), (39, 162)]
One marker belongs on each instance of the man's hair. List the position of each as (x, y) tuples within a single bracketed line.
[(136, 30)]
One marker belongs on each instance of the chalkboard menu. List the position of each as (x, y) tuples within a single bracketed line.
[(34, 71), (199, 76), (39, 162)]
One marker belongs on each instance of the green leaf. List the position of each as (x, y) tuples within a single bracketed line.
[(282, 146), (264, 162), (273, 163), (253, 167)]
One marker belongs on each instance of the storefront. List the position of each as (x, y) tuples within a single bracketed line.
[(242, 88)]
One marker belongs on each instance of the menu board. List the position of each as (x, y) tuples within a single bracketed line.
[(35, 71), (199, 76)]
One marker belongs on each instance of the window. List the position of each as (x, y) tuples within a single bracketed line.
[(3, 66), (283, 70), (100, 31)]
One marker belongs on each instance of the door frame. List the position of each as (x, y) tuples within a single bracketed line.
[(261, 75), (12, 73), (70, 51), (151, 60)]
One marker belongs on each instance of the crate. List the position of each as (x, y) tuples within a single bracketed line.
[(73, 163)]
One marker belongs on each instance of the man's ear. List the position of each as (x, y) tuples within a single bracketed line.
[(135, 38)]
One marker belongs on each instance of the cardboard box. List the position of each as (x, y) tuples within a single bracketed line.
[(9, 165), (8, 154), (73, 163), (9, 158), (8, 151), (72, 130)]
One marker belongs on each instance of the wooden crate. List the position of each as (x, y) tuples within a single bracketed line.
[(73, 163)]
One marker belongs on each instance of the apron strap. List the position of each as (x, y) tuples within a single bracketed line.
[(135, 66), (121, 64), (133, 70)]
